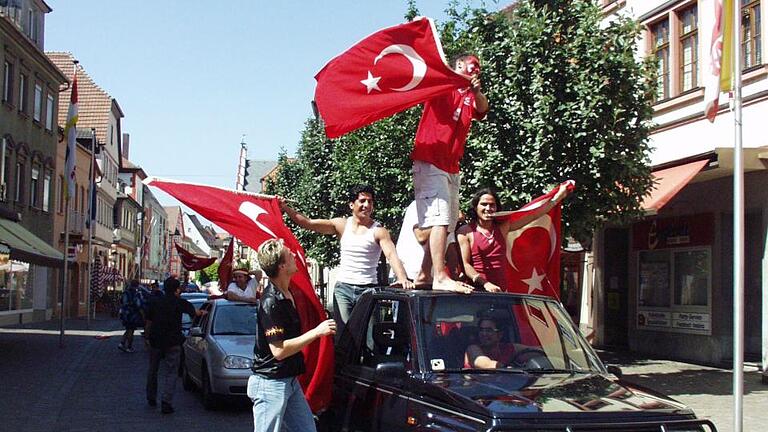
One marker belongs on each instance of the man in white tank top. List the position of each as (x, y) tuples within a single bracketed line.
[(362, 241)]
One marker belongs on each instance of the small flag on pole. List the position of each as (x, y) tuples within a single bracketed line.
[(70, 131), (718, 57)]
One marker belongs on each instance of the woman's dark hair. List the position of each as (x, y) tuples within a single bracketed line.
[(472, 213), (356, 190)]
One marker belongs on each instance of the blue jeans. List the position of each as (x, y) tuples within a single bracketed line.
[(345, 297), (279, 405)]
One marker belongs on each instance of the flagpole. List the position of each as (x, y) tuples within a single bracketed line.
[(65, 283), (738, 230), (90, 228)]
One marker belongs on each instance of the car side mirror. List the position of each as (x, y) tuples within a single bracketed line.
[(613, 369), (392, 370), (196, 332)]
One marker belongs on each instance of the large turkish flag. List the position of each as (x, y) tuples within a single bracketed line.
[(254, 219), (533, 251), (385, 73)]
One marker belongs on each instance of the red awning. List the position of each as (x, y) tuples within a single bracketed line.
[(669, 181)]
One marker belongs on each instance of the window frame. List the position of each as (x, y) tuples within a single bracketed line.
[(23, 105), (666, 70), (34, 185), (8, 83), (37, 110), (751, 50), (46, 191), (50, 111), (21, 168), (682, 38)]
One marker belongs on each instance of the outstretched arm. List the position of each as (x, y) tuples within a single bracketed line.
[(322, 226), (481, 102), (508, 226), (388, 247)]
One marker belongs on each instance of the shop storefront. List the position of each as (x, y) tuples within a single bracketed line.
[(28, 275)]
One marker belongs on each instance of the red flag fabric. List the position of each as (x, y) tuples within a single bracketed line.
[(385, 73), (254, 219), (225, 266), (191, 261), (533, 251)]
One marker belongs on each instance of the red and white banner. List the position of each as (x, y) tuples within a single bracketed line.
[(385, 73), (716, 25), (191, 261), (533, 251), (254, 219)]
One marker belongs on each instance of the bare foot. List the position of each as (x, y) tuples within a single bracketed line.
[(447, 284)]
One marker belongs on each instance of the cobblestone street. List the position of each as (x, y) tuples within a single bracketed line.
[(89, 385)]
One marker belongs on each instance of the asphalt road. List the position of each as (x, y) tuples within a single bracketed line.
[(89, 385)]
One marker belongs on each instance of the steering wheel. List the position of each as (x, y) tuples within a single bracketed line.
[(532, 358)]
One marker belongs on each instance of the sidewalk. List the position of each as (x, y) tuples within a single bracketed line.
[(706, 390)]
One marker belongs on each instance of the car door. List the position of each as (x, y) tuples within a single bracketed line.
[(375, 401), (194, 347)]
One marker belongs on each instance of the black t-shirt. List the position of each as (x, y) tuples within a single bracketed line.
[(278, 321), (165, 314)]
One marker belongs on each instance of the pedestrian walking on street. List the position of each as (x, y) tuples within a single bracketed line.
[(131, 314), (278, 401), (163, 330)]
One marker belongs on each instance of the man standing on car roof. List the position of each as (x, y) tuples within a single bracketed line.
[(278, 400), (163, 329)]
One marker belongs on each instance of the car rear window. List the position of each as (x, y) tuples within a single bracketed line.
[(235, 319)]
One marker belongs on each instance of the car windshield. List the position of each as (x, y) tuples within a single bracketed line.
[(235, 319), (186, 321), (502, 332)]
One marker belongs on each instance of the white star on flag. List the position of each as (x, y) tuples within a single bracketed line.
[(371, 83), (534, 282)]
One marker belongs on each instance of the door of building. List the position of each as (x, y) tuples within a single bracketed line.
[(616, 284)]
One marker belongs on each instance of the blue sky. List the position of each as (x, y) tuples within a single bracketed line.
[(193, 76)]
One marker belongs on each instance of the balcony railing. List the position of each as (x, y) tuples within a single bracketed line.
[(76, 222)]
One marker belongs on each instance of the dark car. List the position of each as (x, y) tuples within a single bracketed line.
[(402, 364)]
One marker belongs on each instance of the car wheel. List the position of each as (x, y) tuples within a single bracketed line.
[(186, 380), (210, 401)]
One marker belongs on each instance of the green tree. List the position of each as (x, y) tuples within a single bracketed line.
[(568, 101), (211, 273)]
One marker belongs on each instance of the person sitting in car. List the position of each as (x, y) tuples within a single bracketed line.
[(490, 352), (243, 287)]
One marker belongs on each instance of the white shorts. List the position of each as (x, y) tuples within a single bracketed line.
[(437, 195)]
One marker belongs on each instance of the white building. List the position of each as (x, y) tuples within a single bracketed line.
[(663, 286)]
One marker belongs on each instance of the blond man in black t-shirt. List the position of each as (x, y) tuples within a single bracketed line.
[(278, 401)]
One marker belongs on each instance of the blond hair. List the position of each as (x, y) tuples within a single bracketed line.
[(270, 256)]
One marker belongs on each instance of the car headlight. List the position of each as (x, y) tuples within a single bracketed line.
[(237, 362)]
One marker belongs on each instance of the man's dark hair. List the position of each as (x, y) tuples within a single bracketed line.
[(460, 56), (472, 213), (356, 190), (171, 285), (134, 283)]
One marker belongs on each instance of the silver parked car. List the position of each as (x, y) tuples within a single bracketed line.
[(219, 350)]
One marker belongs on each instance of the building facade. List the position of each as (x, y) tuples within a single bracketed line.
[(664, 285), (29, 131), (101, 112), (155, 251)]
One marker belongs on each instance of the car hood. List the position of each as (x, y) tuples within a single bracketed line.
[(502, 394), (239, 345)]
